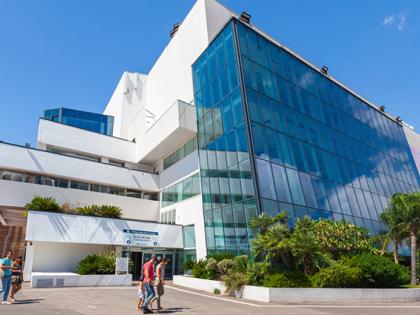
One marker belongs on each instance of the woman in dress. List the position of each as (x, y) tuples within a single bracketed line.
[(17, 277)]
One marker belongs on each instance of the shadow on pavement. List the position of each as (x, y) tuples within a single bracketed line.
[(28, 301), (172, 310)]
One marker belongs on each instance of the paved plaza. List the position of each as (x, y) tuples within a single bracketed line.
[(121, 301)]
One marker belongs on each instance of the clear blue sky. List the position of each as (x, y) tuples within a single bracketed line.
[(72, 52)]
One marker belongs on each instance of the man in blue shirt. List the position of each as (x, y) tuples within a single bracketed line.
[(6, 265)]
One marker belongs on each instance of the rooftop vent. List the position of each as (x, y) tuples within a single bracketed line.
[(174, 30), (382, 108), (28, 145), (398, 119), (324, 70), (245, 17)]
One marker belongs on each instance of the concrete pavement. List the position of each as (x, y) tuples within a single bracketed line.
[(121, 301)]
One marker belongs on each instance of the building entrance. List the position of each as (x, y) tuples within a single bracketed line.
[(140, 256)]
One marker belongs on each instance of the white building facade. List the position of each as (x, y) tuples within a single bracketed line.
[(273, 133), (152, 149)]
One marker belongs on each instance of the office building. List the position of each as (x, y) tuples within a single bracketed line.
[(227, 124)]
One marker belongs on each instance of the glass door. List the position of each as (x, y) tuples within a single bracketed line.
[(169, 268)]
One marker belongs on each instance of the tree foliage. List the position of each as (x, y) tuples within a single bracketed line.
[(105, 211), (39, 203), (341, 238)]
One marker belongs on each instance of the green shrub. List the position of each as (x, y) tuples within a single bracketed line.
[(104, 211), (39, 203), (291, 279), (241, 263), (226, 266), (379, 271), (99, 264), (199, 270), (212, 269), (257, 272), (220, 256), (338, 275), (216, 291), (234, 282), (188, 265), (88, 265)]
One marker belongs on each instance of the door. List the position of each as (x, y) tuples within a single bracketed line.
[(169, 268), (136, 257)]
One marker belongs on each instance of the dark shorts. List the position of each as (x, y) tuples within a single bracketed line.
[(17, 279)]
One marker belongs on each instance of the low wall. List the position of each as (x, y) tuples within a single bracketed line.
[(69, 279), (199, 284), (306, 295)]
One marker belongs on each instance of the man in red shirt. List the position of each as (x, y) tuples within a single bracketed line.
[(149, 278)]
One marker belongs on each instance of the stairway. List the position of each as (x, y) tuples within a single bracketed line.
[(12, 238)]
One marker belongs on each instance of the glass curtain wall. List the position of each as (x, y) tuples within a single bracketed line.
[(182, 190), (85, 120), (319, 150), (226, 177)]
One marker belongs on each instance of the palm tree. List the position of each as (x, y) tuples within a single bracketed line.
[(271, 243), (409, 207), (397, 231), (304, 245)]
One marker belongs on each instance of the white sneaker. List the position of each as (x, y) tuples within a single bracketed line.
[(6, 303)]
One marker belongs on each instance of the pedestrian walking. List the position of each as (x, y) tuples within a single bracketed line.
[(160, 281), (141, 294), (17, 277), (149, 276), (6, 276)]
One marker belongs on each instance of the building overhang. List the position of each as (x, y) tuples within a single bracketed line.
[(176, 126), (69, 228)]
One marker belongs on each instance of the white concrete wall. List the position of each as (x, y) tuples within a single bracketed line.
[(414, 142), (65, 228), (61, 257), (188, 212), (17, 194), (30, 160), (126, 102), (84, 141), (173, 128)]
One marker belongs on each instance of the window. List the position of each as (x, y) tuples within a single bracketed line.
[(182, 190), (189, 147)]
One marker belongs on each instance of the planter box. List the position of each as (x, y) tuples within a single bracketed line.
[(199, 284), (307, 295), (69, 279)]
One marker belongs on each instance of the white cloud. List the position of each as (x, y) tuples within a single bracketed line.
[(402, 22), (399, 21), (388, 20)]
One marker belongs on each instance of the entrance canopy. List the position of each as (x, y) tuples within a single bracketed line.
[(67, 228)]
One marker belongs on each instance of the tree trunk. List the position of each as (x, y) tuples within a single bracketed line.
[(396, 242), (413, 257)]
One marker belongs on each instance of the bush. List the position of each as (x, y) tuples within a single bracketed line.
[(199, 270), (104, 211), (338, 275), (98, 264), (220, 256), (379, 271), (292, 279), (257, 272), (39, 203), (242, 263), (188, 265), (226, 266), (212, 269), (88, 265), (216, 291), (234, 282)]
